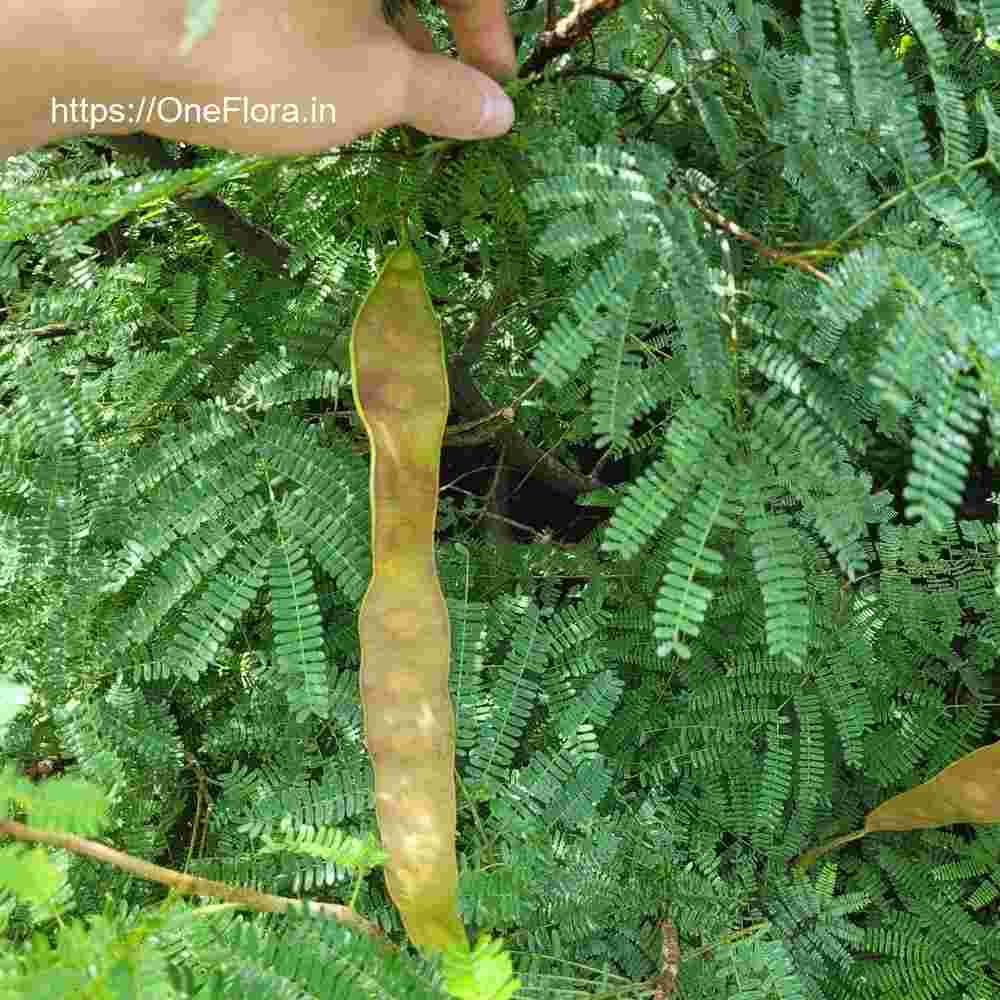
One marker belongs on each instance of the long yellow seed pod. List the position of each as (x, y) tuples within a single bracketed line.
[(401, 393)]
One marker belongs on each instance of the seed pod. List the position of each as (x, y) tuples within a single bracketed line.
[(401, 394)]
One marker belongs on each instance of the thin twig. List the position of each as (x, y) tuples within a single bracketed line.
[(499, 517), (622, 79), (659, 55), (566, 33), (50, 331), (183, 884), (727, 225)]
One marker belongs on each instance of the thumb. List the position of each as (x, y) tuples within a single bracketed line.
[(451, 99)]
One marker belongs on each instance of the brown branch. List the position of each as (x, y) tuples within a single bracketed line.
[(213, 213), (621, 79), (519, 452), (551, 14), (534, 532), (259, 243), (659, 55), (51, 331), (187, 885), (482, 328), (573, 28), (670, 957), (728, 226)]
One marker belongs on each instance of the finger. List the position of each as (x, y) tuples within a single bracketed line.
[(413, 30), (482, 35), (445, 97)]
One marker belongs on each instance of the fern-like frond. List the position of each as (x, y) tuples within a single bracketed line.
[(649, 501), (298, 633), (942, 451), (682, 601), (504, 717)]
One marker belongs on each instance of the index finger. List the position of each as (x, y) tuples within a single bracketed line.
[(482, 35)]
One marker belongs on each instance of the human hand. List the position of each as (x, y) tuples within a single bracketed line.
[(303, 54)]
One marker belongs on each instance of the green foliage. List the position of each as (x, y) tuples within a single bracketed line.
[(486, 972), (748, 258)]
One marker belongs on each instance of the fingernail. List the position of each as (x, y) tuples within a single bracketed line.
[(497, 115)]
